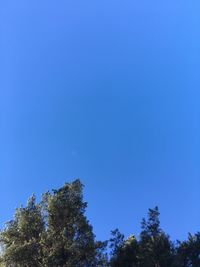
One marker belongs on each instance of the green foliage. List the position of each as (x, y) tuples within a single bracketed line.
[(124, 252), (69, 240), (56, 233), (156, 250), (188, 252), (153, 249), (53, 233), (21, 237)]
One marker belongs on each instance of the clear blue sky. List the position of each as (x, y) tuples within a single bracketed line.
[(107, 91)]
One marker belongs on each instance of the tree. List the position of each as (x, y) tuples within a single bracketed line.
[(156, 250), (124, 252), (21, 238), (69, 239), (188, 252), (54, 233)]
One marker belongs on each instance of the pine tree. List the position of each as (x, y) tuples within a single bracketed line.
[(21, 238), (124, 252), (156, 250), (188, 252), (54, 233), (69, 240)]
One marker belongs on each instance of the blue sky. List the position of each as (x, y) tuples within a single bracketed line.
[(107, 91)]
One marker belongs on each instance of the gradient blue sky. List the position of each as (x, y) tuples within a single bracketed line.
[(107, 91)]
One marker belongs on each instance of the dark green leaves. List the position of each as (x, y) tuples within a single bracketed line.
[(54, 233)]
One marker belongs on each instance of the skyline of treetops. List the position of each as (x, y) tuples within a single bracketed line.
[(55, 232)]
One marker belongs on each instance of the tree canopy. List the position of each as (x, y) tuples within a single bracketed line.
[(55, 232)]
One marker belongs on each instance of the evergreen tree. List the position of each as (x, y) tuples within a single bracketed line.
[(53, 233), (188, 252), (21, 238), (69, 239), (56, 233), (124, 252), (156, 250)]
